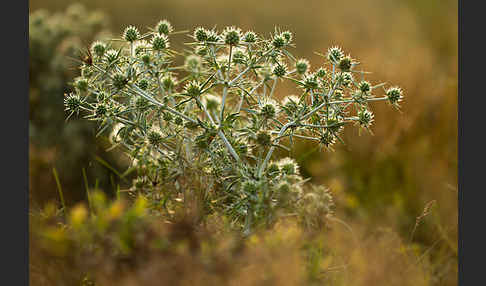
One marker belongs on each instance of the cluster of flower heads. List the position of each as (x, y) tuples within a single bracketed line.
[(219, 113)]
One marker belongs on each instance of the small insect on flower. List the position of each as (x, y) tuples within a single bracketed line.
[(164, 27), (131, 34), (160, 42), (394, 94), (232, 36), (302, 66), (365, 118), (334, 54)]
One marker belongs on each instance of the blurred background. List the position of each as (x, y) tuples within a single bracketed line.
[(384, 180)]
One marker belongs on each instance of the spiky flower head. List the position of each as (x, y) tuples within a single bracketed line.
[(238, 57), (111, 56), (81, 84), (119, 81), (200, 34), (302, 66), (140, 46), (232, 36), (143, 84), (365, 117), (263, 138), (141, 103), (249, 187), (192, 88), (201, 51), (279, 41), (101, 109), (345, 63), (168, 82), (364, 86), (334, 54), (327, 139), (179, 121), (269, 109), (154, 138), (287, 35), (310, 81), (193, 63), (131, 34), (98, 48), (273, 169), (250, 37), (394, 94), (241, 147), (321, 72), (265, 72), (290, 104), (164, 27), (211, 101), (288, 166), (160, 42), (213, 36), (345, 78), (167, 116), (72, 102), (338, 94), (280, 70)]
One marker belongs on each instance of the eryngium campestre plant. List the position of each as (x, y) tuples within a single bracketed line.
[(217, 117)]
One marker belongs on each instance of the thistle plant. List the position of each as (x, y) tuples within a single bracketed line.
[(218, 118)]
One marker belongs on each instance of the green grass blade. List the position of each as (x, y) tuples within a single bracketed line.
[(104, 163), (87, 189), (58, 182)]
